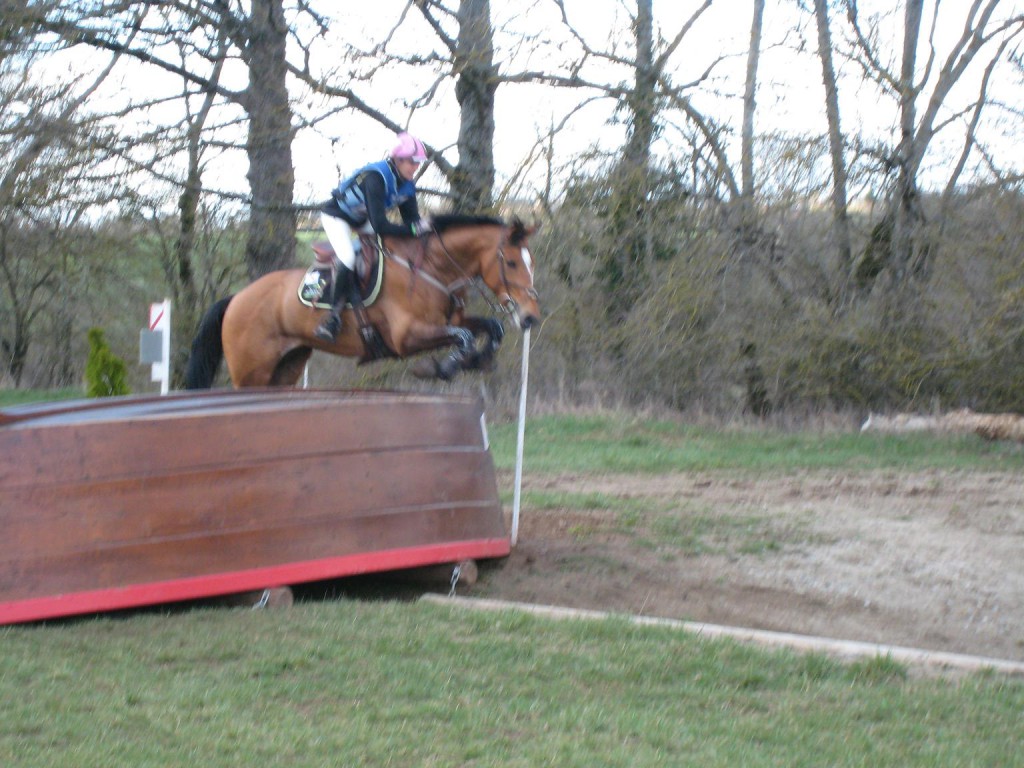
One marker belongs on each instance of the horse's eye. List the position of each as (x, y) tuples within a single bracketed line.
[(513, 265)]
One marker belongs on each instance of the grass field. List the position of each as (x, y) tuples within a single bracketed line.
[(10, 397), (622, 443), (379, 682), (387, 683)]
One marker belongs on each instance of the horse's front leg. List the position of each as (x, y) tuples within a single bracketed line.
[(461, 340), (463, 349), (483, 358)]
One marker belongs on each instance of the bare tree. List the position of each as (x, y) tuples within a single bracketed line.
[(922, 94), (51, 174), (464, 53), (180, 263), (627, 265), (256, 36)]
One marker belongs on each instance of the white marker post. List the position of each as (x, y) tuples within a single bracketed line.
[(155, 344), (520, 438)]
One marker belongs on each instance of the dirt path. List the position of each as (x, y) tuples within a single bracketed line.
[(931, 560)]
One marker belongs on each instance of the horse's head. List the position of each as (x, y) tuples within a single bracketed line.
[(497, 253), (510, 275)]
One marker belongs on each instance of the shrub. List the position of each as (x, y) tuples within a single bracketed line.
[(106, 374)]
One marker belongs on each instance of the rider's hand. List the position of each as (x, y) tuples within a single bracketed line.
[(422, 227)]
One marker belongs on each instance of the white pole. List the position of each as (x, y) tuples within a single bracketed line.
[(521, 437), (160, 321), (165, 383)]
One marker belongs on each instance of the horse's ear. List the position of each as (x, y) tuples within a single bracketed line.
[(530, 229), (520, 231)]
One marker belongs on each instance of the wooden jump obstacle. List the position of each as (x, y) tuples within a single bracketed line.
[(124, 502)]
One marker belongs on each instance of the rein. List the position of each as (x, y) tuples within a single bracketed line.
[(418, 272), (452, 289)]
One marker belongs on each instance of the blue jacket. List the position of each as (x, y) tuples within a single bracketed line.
[(370, 193)]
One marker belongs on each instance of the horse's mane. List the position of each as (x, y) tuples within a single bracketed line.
[(445, 221)]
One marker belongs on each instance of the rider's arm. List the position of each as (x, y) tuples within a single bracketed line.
[(373, 188), (410, 211)]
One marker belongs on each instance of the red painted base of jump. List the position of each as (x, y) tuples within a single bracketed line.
[(193, 588), (136, 501)]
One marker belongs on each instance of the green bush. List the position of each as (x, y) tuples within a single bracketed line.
[(106, 374)]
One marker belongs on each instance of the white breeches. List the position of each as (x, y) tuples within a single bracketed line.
[(340, 235)]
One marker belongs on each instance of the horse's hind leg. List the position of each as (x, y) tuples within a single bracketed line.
[(289, 368)]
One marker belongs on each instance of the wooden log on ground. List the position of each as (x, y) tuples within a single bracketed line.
[(991, 426)]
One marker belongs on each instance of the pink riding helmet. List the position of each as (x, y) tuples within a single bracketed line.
[(409, 146)]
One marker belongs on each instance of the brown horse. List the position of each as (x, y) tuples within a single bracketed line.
[(265, 333)]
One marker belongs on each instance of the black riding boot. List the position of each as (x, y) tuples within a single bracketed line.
[(329, 329)]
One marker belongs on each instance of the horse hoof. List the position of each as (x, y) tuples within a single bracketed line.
[(271, 597), (446, 372), (425, 368)]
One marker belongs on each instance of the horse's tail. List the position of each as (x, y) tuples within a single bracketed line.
[(207, 348)]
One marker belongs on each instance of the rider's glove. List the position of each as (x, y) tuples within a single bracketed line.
[(421, 227)]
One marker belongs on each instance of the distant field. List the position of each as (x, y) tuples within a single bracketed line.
[(620, 442), (22, 396)]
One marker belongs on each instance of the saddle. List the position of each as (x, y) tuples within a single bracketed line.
[(317, 288), (317, 285)]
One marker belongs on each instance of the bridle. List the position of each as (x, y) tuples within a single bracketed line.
[(505, 300), (510, 305)]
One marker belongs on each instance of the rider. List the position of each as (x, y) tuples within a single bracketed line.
[(361, 202)]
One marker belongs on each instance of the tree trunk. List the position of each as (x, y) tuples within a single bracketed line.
[(185, 318), (746, 221), (641, 100), (271, 174), (475, 85), (907, 206), (750, 103), (625, 265), (840, 219), (15, 351)]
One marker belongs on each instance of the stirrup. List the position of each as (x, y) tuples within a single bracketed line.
[(329, 329)]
